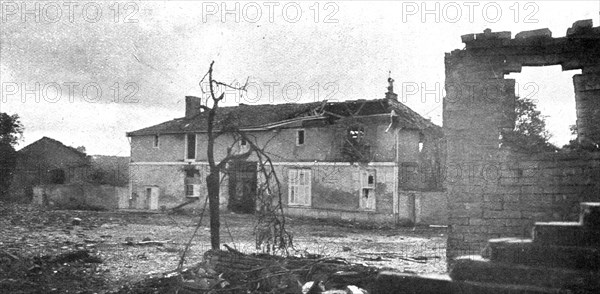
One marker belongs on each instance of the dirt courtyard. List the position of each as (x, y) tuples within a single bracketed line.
[(34, 243)]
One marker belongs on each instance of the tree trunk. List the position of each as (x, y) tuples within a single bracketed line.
[(212, 182)]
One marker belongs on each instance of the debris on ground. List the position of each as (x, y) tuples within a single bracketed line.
[(73, 251), (230, 272)]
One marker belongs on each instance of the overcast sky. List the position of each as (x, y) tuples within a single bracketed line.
[(148, 55)]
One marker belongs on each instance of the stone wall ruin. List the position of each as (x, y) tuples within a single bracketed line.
[(494, 191)]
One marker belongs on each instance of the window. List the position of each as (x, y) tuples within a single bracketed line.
[(192, 190), (299, 187), (356, 134), (243, 145), (367, 191), (155, 144), (300, 138), (57, 176), (355, 148), (190, 146)]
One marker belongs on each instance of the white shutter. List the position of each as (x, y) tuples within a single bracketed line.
[(299, 185), (196, 190)]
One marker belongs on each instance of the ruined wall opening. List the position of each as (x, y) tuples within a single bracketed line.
[(552, 91), (527, 187)]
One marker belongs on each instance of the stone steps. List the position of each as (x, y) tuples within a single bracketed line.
[(479, 269), (565, 234), (586, 232), (392, 282), (590, 215), (561, 257), (470, 287), (529, 252)]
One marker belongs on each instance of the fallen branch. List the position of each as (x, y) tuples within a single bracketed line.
[(178, 207), (143, 243), (189, 243), (10, 255), (232, 250), (412, 259), (370, 258), (389, 256)]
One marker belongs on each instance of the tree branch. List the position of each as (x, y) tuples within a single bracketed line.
[(233, 157), (242, 88)]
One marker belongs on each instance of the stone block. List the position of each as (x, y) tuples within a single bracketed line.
[(457, 205), (341, 279), (477, 212), (514, 206), (512, 197), (392, 282), (504, 231), (536, 215), (493, 197), (492, 205), (509, 181), (501, 214), (467, 38), (565, 234), (496, 222), (530, 186), (511, 190), (459, 221), (580, 26), (464, 287), (526, 252), (518, 223), (469, 229), (478, 240), (590, 215), (540, 33), (477, 222), (488, 34), (479, 269)]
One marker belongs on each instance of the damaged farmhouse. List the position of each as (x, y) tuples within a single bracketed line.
[(365, 160)]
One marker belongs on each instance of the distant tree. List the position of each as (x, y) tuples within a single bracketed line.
[(11, 131), (80, 149), (573, 129), (576, 145), (530, 133)]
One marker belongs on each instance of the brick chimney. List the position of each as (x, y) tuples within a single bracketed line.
[(192, 106)]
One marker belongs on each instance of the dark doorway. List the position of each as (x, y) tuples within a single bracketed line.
[(242, 187)]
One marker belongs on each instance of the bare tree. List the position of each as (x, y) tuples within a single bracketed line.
[(212, 180), (270, 216)]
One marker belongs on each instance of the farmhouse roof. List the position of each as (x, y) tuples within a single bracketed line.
[(268, 116), (50, 141)]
